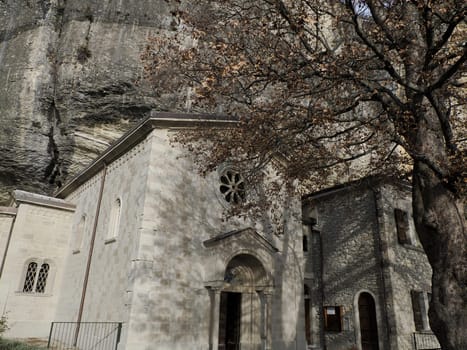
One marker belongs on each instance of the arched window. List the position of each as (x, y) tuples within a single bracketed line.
[(36, 282), (232, 186), (80, 229), (30, 278), (42, 278), (114, 221)]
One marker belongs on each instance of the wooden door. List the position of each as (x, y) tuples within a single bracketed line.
[(368, 325), (230, 321)]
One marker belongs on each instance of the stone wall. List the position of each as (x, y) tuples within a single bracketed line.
[(114, 260), (40, 234), (408, 267), (348, 230), (71, 83), (356, 235), (7, 218), (171, 304)]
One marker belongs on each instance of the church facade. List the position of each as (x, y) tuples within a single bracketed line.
[(138, 239)]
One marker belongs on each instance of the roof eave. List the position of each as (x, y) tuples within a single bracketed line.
[(157, 120)]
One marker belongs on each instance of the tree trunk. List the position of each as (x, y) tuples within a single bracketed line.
[(440, 222)]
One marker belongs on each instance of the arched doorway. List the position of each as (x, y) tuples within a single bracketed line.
[(368, 323), (243, 307)]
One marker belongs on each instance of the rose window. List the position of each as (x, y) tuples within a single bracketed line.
[(232, 187)]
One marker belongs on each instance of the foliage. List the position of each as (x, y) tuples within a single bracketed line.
[(16, 345), (319, 86), (330, 91), (3, 325)]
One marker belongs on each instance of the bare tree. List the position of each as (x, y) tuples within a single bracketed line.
[(337, 90)]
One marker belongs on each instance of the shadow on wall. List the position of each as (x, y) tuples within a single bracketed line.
[(176, 310)]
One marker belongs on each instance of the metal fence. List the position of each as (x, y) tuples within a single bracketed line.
[(84, 335), (425, 341)]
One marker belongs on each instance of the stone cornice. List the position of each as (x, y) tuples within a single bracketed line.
[(8, 211), (248, 231), (370, 181), (33, 198)]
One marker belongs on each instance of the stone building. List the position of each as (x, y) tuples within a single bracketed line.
[(138, 240), (367, 277)]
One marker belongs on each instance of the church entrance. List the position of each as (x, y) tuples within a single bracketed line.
[(230, 321), (240, 306), (368, 325)]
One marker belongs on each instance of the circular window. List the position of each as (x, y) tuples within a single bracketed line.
[(232, 186)]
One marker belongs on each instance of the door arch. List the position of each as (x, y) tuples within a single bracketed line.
[(243, 311), (367, 322)]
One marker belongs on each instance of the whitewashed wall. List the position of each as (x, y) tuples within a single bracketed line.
[(111, 273), (40, 233), (170, 302)]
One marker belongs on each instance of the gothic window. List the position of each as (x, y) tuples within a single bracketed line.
[(420, 301), (402, 226), (232, 186), (114, 222), (34, 281), (28, 286), (42, 278), (79, 234), (305, 242), (333, 318)]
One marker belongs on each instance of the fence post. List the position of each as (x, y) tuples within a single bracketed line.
[(50, 334), (119, 332)]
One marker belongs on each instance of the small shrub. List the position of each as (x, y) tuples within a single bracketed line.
[(3, 325), (83, 54), (16, 345)]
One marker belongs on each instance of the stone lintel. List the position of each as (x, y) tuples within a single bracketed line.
[(38, 199), (8, 211), (249, 231)]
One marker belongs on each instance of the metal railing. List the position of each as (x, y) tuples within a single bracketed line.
[(84, 335), (425, 340)]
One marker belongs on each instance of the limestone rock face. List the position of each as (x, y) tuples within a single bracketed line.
[(71, 83)]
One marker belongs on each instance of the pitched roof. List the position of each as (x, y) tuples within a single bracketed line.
[(157, 120)]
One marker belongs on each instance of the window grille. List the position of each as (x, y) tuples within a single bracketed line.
[(42, 278), (232, 187), (28, 286)]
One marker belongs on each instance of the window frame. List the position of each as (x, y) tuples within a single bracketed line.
[(45, 287), (114, 221), (79, 234), (231, 185), (337, 318), (402, 223), (420, 306)]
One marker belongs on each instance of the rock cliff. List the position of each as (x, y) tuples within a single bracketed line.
[(69, 73)]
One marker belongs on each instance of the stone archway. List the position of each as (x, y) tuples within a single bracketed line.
[(241, 306)]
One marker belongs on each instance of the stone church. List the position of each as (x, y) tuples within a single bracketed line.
[(133, 253)]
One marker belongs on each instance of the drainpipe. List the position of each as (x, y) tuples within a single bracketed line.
[(7, 244), (91, 249)]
